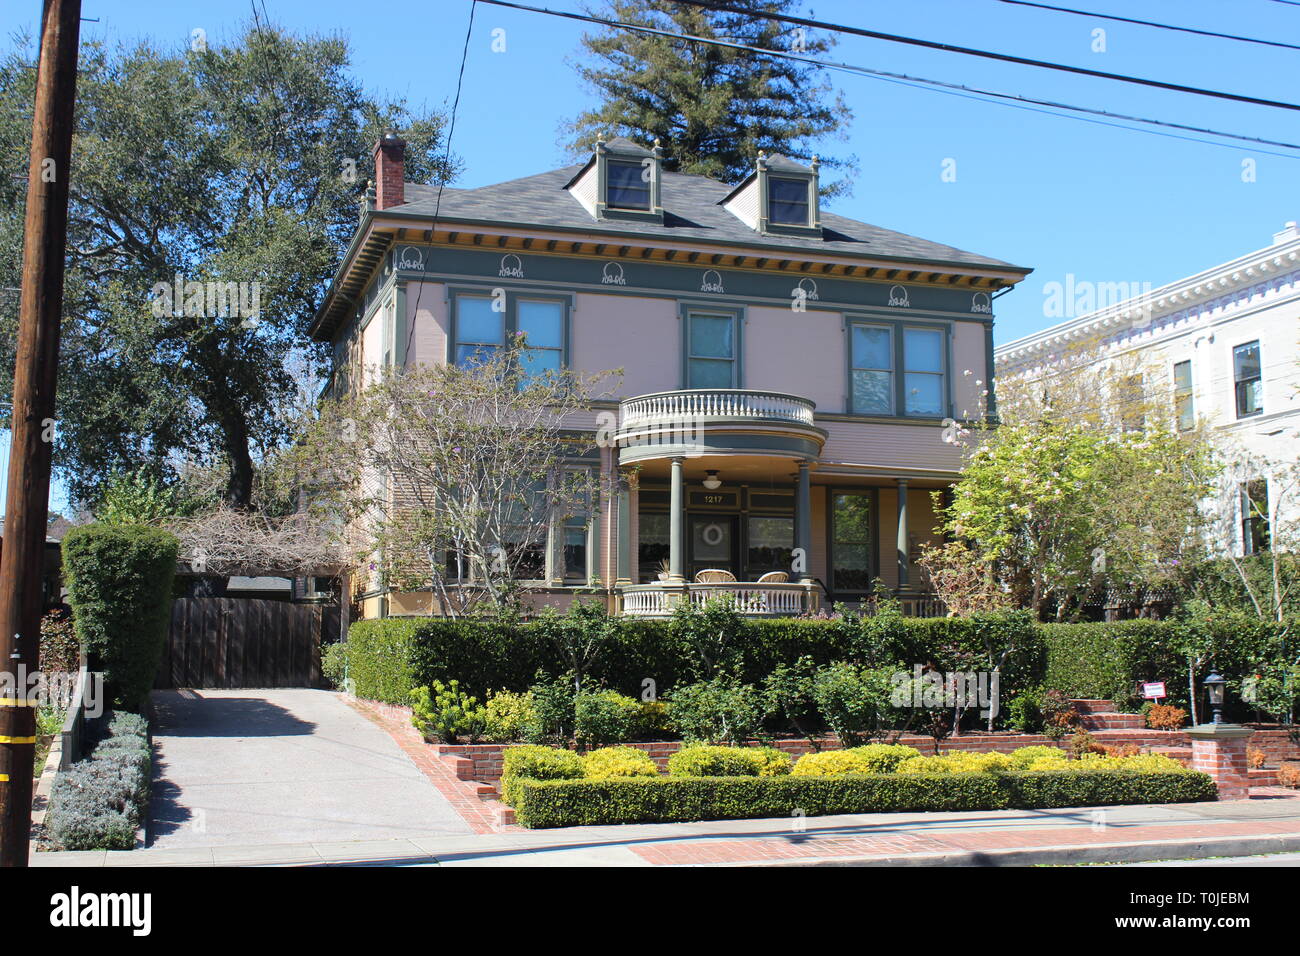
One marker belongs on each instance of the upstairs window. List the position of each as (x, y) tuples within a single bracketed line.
[(923, 372), (711, 351), (1183, 405), (541, 322), (787, 201), (480, 331), (1246, 376), (627, 185), (872, 370)]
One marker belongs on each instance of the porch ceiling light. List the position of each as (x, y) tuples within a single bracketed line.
[(712, 481)]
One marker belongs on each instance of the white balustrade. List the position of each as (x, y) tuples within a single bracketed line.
[(677, 408)]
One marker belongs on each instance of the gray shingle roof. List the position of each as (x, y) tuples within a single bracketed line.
[(691, 211)]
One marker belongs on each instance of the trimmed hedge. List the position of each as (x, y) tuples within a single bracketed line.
[(388, 658), (119, 581), (562, 803), (100, 802)]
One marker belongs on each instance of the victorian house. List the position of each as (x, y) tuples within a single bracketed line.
[(790, 376)]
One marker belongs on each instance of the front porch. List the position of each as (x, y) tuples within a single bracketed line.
[(727, 491)]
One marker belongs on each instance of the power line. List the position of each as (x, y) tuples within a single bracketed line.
[(1094, 116), (987, 54), (1151, 23), (442, 180)]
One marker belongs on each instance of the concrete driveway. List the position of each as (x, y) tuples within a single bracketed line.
[(240, 767)]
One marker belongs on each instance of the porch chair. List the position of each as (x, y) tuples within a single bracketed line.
[(773, 577), (715, 576)]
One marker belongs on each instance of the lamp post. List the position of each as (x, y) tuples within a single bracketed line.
[(1214, 685)]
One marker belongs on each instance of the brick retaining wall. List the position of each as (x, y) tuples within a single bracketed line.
[(482, 762)]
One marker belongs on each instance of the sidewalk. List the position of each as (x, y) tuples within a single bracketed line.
[(1268, 823)]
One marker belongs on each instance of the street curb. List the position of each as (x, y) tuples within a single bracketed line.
[(1074, 855)]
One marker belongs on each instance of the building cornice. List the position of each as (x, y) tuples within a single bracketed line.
[(1278, 263)]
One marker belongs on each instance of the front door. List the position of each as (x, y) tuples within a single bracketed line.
[(712, 542)]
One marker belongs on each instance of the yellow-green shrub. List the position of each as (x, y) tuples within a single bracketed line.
[(1022, 757), (610, 762), (535, 762), (957, 761), (508, 714), (831, 763), (885, 758), (704, 760), (773, 762)]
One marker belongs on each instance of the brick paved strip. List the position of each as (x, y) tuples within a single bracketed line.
[(803, 847)]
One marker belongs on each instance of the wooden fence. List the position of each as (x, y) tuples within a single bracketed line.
[(245, 642)]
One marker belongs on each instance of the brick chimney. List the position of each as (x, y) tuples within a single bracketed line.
[(390, 171)]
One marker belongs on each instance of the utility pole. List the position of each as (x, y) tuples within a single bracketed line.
[(45, 233)]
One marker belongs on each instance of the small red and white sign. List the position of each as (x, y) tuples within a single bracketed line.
[(1154, 690)]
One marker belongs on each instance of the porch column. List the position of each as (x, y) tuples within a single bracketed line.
[(803, 520), (624, 532), (676, 520), (904, 559)]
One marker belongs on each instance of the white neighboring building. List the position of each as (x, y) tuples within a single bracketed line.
[(1226, 344)]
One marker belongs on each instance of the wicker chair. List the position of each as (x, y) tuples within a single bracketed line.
[(774, 577), (715, 576)]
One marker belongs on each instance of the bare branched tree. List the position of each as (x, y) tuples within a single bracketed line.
[(452, 479)]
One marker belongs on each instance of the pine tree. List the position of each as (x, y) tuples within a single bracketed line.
[(714, 108)]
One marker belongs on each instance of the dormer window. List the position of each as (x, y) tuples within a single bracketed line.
[(627, 185), (787, 201), (778, 198), (622, 180)]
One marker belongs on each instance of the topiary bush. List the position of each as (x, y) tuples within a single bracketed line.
[(119, 580), (536, 762), (99, 803), (885, 758), (703, 760), (610, 762), (559, 803), (831, 763)]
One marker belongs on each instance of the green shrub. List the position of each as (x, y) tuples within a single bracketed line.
[(100, 802), (559, 803), (553, 712), (716, 711), (854, 701), (334, 663), (703, 760), (443, 711), (653, 722), (509, 715), (605, 717), (119, 580), (382, 660), (610, 762), (1025, 711), (535, 762)]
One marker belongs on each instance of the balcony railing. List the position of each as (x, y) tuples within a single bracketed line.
[(673, 408), (753, 600)]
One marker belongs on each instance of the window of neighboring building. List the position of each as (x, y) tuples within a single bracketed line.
[(1131, 395), (1246, 375), (1183, 405), (480, 331), (872, 372), (923, 372), (787, 201), (542, 324), (626, 185), (1254, 516), (711, 351), (852, 541)]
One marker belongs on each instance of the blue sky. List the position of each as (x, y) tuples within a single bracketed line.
[(1058, 195)]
